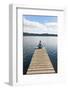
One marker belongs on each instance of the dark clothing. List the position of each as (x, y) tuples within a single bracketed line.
[(40, 46)]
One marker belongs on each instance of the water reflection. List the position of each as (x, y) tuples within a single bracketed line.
[(31, 42)]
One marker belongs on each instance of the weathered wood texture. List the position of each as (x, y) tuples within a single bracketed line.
[(40, 63)]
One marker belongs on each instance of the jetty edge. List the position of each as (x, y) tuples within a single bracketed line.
[(40, 63)]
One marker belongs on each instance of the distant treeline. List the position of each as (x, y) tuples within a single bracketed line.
[(43, 34)]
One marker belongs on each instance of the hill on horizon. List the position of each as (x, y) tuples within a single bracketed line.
[(36, 34)]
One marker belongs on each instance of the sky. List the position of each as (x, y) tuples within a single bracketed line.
[(40, 24)]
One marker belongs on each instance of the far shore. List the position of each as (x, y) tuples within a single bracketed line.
[(33, 34)]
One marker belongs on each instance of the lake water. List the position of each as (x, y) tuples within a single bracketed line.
[(29, 45)]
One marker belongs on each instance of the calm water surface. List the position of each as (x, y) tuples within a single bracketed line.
[(30, 43)]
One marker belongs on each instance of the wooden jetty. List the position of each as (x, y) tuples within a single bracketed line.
[(40, 63)]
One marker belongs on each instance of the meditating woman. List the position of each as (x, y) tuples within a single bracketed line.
[(40, 45)]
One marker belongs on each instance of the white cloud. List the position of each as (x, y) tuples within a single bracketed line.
[(52, 27), (36, 27)]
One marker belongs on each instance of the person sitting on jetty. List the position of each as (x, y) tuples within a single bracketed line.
[(40, 45)]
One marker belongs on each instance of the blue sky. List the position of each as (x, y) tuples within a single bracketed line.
[(40, 24), (41, 19)]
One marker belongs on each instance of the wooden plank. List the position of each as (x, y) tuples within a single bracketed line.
[(40, 63)]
